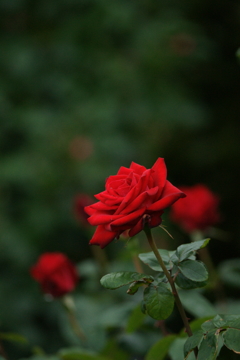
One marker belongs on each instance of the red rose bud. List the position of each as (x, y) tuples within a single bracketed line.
[(131, 198), (55, 273), (80, 202), (198, 210)]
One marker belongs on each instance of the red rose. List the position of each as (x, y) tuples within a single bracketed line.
[(134, 196), (56, 274), (198, 210)]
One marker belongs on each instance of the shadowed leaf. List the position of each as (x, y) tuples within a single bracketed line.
[(158, 301)]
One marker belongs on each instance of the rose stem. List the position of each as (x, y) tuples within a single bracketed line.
[(181, 310), (137, 264), (70, 307)]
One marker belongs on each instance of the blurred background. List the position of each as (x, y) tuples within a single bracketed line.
[(87, 86)]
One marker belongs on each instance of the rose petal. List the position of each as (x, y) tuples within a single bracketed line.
[(155, 219), (124, 171), (123, 190), (101, 218), (99, 206), (139, 169), (159, 174), (142, 201), (134, 192), (171, 189), (144, 180), (167, 200), (128, 219), (113, 178), (109, 199), (136, 204), (102, 237), (131, 195), (137, 228)]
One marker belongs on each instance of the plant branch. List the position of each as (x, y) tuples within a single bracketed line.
[(171, 282), (137, 264)]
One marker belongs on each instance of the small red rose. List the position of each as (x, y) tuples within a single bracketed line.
[(80, 202), (198, 210), (55, 273), (131, 198)]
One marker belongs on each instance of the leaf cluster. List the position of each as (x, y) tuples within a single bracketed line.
[(188, 272), (221, 330), (158, 300)]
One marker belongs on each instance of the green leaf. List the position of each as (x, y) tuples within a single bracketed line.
[(194, 270), (174, 258), (231, 339), (133, 288), (202, 307), (184, 251), (192, 342), (135, 319), (13, 337), (158, 301), (160, 349), (208, 326), (187, 284), (234, 323), (219, 322), (231, 319), (195, 325), (150, 260), (208, 349), (79, 354), (160, 277), (115, 280), (222, 321)]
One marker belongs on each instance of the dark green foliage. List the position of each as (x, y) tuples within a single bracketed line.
[(222, 330)]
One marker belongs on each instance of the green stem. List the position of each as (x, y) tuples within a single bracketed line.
[(70, 307), (171, 282), (137, 264)]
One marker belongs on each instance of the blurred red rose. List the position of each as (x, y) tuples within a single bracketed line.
[(55, 273), (81, 148), (198, 210), (134, 196), (80, 202)]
